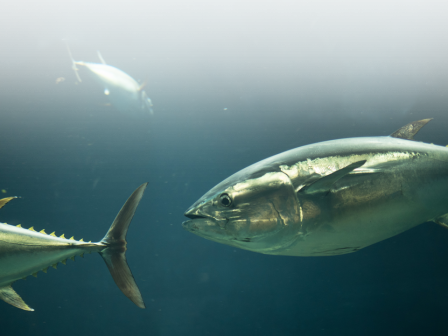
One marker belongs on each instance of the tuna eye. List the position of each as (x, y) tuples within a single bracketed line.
[(225, 200)]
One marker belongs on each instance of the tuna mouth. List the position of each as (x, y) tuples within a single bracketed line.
[(194, 213), (196, 225), (189, 225), (191, 216)]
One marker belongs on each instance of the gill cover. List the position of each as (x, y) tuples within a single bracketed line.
[(262, 206), (260, 214)]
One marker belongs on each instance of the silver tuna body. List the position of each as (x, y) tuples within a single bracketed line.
[(24, 252), (123, 91), (328, 198)]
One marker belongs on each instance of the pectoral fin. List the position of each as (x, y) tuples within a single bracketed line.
[(442, 221), (8, 295), (324, 184)]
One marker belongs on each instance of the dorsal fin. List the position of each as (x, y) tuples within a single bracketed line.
[(3, 201), (100, 57), (411, 129), (75, 69), (324, 184)]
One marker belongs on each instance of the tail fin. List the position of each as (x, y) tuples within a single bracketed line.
[(75, 69), (114, 253)]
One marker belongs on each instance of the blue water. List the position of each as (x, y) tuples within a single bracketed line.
[(229, 88)]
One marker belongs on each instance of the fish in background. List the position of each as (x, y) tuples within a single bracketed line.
[(25, 252), (328, 198), (123, 91)]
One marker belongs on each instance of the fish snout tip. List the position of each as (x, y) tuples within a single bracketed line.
[(193, 213)]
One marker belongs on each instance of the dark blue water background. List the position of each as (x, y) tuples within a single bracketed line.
[(228, 90)]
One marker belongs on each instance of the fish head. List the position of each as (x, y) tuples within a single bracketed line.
[(257, 214)]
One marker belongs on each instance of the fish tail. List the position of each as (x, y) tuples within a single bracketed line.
[(75, 69), (114, 253)]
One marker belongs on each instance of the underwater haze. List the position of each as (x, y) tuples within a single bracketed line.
[(231, 82)]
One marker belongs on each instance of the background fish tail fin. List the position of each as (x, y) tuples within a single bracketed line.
[(75, 69), (115, 253)]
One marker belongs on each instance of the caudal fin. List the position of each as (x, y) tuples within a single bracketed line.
[(115, 253)]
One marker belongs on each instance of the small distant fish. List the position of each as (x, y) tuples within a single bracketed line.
[(60, 80), (123, 91), (25, 252)]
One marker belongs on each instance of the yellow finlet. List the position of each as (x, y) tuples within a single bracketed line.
[(62, 236), (52, 234), (42, 231), (45, 270), (19, 226), (32, 229), (72, 258), (64, 261), (72, 238), (81, 240), (55, 266), (34, 275)]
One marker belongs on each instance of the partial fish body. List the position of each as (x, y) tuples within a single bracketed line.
[(123, 91), (24, 252), (328, 198)]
